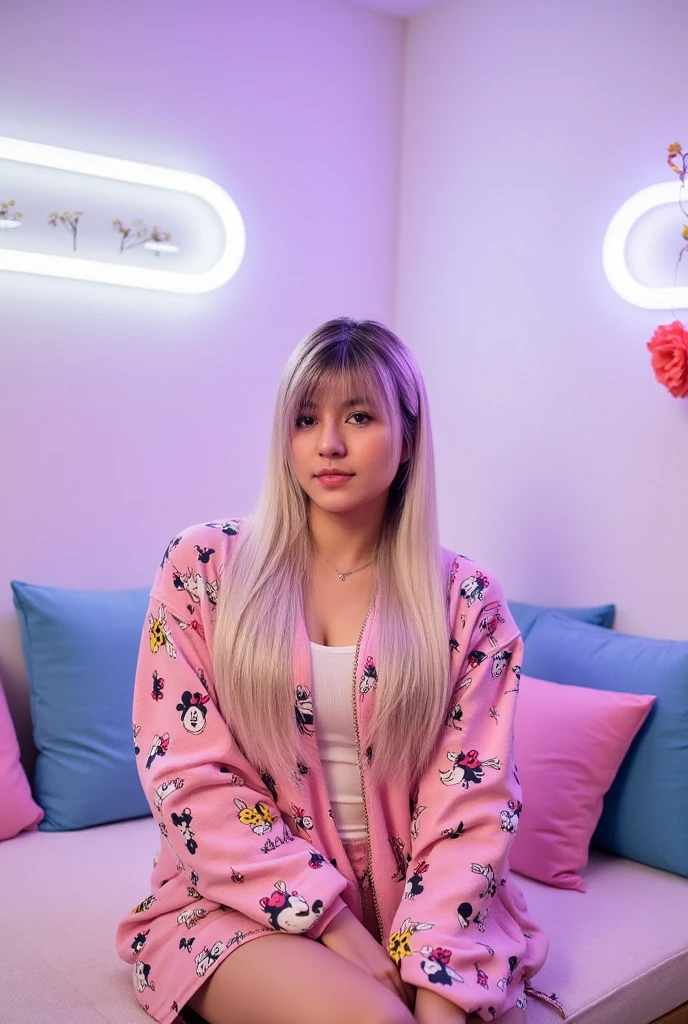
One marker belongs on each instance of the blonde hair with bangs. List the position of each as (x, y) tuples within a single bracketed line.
[(264, 583)]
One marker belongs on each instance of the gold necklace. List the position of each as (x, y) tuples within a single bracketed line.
[(347, 572)]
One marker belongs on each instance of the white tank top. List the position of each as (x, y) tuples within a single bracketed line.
[(332, 684)]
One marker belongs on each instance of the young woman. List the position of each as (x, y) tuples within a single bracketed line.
[(323, 723)]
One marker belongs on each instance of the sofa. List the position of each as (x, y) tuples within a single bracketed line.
[(619, 949)]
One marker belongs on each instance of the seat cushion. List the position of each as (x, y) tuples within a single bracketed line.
[(619, 952)]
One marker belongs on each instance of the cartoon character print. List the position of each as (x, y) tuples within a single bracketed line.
[(476, 658), (303, 709), (193, 711), (166, 789), (415, 815), (259, 818), (141, 977), (303, 821), (503, 982), (414, 886), (204, 553), (144, 905), (158, 748), (170, 547), (488, 872), (316, 860), (290, 912), (472, 587), (509, 818), (207, 957), (436, 967), (453, 833), (464, 912), (234, 779), (499, 662), (403, 859), (192, 916), (453, 645), (453, 572), (368, 680), (195, 585), (230, 527), (516, 669), (159, 633), (490, 621), (194, 625), (183, 823), (467, 768), (456, 711), (400, 942), (136, 729), (158, 686), (186, 944), (236, 876), (481, 977), (139, 942)]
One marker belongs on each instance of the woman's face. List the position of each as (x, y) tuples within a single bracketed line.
[(358, 439)]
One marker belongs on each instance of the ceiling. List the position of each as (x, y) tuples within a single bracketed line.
[(402, 8)]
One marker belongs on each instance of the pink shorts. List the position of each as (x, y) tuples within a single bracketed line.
[(357, 855)]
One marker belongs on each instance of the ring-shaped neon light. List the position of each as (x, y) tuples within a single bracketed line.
[(614, 250)]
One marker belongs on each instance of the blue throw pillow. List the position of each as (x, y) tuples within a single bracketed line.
[(644, 816), (526, 614), (81, 649)]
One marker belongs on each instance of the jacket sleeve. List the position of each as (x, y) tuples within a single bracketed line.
[(212, 807), (451, 933)]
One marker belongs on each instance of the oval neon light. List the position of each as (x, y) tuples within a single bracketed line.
[(614, 250), (106, 272)]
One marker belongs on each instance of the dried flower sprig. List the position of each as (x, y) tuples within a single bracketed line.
[(5, 209), (69, 220), (138, 234)]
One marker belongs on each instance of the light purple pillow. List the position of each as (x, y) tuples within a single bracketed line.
[(19, 812), (569, 742)]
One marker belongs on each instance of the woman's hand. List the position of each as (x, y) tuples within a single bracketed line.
[(432, 1008), (347, 936)]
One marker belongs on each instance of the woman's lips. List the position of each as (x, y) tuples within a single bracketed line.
[(332, 480)]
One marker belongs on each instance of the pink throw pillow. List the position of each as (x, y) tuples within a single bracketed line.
[(569, 742), (19, 810)]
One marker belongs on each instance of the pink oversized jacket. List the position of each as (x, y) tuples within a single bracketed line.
[(243, 854)]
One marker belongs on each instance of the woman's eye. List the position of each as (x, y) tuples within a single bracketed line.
[(300, 420)]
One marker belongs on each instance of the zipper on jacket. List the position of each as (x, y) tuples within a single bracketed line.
[(360, 774)]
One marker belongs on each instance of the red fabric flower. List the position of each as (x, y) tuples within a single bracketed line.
[(669, 351)]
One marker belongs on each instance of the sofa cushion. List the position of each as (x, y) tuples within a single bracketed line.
[(568, 743), (81, 648), (618, 954), (525, 615), (644, 811), (18, 810)]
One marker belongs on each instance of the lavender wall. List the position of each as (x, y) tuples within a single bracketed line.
[(562, 463), (130, 414)]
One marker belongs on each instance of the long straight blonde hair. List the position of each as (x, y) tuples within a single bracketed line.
[(264, 583)]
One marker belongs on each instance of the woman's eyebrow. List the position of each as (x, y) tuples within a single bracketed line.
[(345, 404)]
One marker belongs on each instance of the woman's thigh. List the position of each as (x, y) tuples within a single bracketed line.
[(290, 979)]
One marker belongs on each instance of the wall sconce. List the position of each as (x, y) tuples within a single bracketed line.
[(111, 272), (614, 250)]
